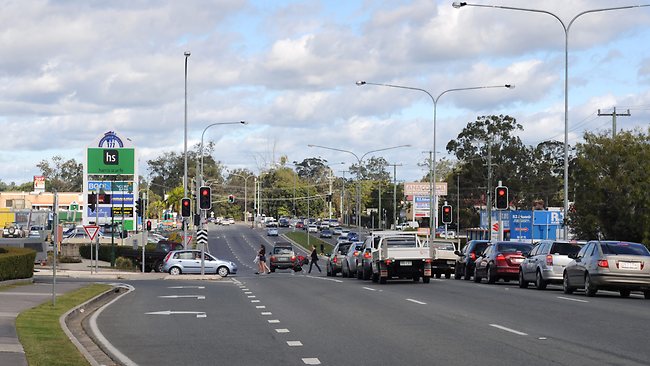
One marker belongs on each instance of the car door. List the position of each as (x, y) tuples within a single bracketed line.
[(210, 264), (483, 260), (576, 272), (528, 265)]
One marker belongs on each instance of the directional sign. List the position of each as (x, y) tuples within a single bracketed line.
[(91, 230), (199, 314), (202, 236)]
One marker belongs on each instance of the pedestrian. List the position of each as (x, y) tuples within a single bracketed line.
[(314, 258), (261, 263)]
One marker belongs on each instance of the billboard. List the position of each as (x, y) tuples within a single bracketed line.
[(111, 161), (422, 189)]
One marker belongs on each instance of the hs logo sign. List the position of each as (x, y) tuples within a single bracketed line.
[(111, 157)]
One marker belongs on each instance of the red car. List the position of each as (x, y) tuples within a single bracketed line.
[(501, 260), (299, 225)]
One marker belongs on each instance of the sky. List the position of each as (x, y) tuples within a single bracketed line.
[(72, 70)]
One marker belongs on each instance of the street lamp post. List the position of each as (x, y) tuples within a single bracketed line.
[(359, 160), (203, 134), (187, 54), (433, 198), (566, 28)]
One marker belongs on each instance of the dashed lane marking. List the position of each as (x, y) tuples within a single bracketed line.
[(294, 343), (570, 299), (255, 301), (260, 307), (416, 301), (273, 321), (311, 361), (508, 329), (282, 330), (266, 313)]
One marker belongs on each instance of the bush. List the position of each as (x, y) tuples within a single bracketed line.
[(69, 260), (16, 263), (123, 263)]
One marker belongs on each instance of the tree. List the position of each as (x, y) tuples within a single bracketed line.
[(62, 176), (311, 168), (374, 169), (611, 183)]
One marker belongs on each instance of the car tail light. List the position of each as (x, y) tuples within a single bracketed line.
[(167, 256), (428, 260), (272, 258), (501, 259), (603, 263), (366, 255), (293, 258), (473, 256), (388, 262), (356, 253), (549, 260), (334, 260)]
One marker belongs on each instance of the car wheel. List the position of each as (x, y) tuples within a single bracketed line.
[(344, 271), (566, 288), (457, 274), (646, 294), (540, 283), (223, 271), (426, 279), (328, 271), (491, 276), (477, 279), (272, 269), (447, 275), (174, 271), (359, 273), (522, 282), (590, 289), (365, 275), (375, 277), (467, 275), (624, 292), (158, 267), (382, 280), (416, 279)]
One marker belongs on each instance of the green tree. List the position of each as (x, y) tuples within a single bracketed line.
[(60, 175), (611, 184)]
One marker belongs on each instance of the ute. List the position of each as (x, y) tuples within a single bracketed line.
[(398, 255)]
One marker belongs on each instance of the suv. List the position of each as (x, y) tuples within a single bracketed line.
[(464, 267), (283, 257), (12, 230), (546, 262)]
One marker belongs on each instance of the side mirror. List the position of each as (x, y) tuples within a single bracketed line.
[(572, 256), (328, 254)]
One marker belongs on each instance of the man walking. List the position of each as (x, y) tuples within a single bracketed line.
[(314, 258)]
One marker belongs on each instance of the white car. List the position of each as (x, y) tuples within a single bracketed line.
[(312, 228)]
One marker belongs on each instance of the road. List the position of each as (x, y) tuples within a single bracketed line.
[(288, 318)]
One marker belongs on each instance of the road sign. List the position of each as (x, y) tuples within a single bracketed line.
[(187, 241), (91, 230), (202, 236)]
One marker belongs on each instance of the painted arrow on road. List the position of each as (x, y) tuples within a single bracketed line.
[(199, 314), (198, 297)]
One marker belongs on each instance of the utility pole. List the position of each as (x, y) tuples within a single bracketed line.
[(330, 178), (613, 115), (344, 216), (489, 190), (395, 193)]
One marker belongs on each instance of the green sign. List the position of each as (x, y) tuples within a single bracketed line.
[(111, 161)]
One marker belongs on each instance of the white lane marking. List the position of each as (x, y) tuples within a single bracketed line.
[(198, 297), (570, 299), (311, 361), (294, 343), (417, 302), (244, 289), (266, 313), (251, 296), (260, 307), (369, 288), (199, 314), (282, 330), (325, 278), (273, 321), (199, 287), (255, 300), (248, 292), (508, 329)]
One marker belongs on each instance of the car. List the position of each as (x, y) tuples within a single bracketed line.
[(501, 260), (364, 261), (13, 230), (284, 257), (271, 224), (283, 222), (352, 236), (312, 228), (546, 262), (177, 262), (464, 267), (325, 233), (272, 231), (609, 265), (335, 259), (299, 225), (337, 230), (35, 231), (323, 224), (231, 221), (350, 262), (344, 232)]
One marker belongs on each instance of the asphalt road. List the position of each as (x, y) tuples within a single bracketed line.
[(288, 318)]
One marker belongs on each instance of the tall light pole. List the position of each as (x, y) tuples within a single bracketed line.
[(203, 133), (433, 197), (566, 28), (187, 54), (359, 160)]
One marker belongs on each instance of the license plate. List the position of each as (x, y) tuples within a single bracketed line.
[(635, 266), (405, 263), (451, 262)]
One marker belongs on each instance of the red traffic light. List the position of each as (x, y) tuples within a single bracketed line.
[(186, 202), (447, 209), (205, 192)]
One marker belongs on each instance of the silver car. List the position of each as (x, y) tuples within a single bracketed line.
[(546, 262), (335, 259), (609, 265), (189, 261)]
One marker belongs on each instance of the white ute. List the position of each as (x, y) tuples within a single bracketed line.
[(397, 254)]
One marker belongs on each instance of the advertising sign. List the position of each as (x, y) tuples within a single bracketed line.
[(117, 211), (521, 225), (422, 189), (111, 161), (39, 183), (122, 198)]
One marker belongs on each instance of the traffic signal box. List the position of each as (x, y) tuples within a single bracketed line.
[(501, 194), (446, 214), (205, 198), (92, 201), (148, 225), (231, 199), (185, 207), (138, 207)]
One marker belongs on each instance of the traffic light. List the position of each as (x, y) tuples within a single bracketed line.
[(446, 214), (205, 198), (328, 197), (92, 201), (197, 219), (501, 194), (185, 207), (231, 199), (148, 225), (138, 207)]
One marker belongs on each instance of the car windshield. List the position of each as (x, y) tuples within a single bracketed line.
[(624, 248), (344, 248), (480, 247), (565, 248), (282, 250), (514, 248), (401, 242), (444, 246)]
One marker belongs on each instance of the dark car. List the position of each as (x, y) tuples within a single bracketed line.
[(501, 260), (326, 233), (364, 261), (464, 267), (283, 222), (609, 265), (352, 236), (335, 259), (283, 257)]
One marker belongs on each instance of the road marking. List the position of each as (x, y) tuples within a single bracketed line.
[(244, 289), (570, 299), (273, 321), (198, 297), (255, 300), (509, 330), (325, 278), (294, 343), (417, 302), (369, 288), (260, 307), (199, 287), (199, 314), (266, 313), (8, 315), (311, 361), (282, 330), (251, 296)]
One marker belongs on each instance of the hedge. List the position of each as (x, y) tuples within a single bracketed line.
[(105, 251), (16, 263)]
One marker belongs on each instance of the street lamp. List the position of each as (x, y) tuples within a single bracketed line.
[(433, 198), (203, 133), (187, 54), (566, 28), (359, 160)]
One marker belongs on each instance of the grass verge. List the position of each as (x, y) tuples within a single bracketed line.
[(42, 338), (300, 237)]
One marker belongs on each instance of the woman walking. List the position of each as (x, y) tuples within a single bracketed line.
[(261, 261), (314, 258)]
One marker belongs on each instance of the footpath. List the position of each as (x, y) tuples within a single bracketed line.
[(37, 290)]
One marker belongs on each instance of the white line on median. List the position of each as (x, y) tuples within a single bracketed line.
[(570, 299), (198, 297), (508, 329), (199, 287), (417, 302)]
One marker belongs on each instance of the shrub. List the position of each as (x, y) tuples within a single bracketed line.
[(123, 263), (69, 260), (16, 263)]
